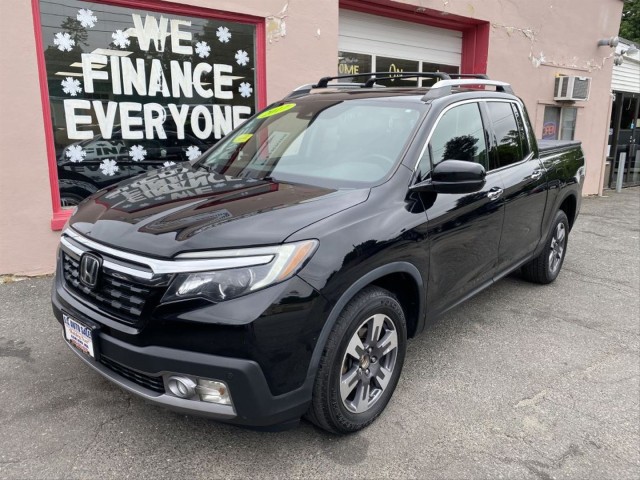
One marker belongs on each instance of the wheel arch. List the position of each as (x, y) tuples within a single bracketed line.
[(569, 205), (387, 277)]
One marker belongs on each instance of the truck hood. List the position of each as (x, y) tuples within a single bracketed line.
[(182, 209)]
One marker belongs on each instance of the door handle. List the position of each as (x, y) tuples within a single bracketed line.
[(537, 174), (495, 193)]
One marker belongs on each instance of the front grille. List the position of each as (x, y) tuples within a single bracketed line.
[(147, 381), (127, 302)]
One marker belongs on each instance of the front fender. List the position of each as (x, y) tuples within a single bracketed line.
[(357, 286)]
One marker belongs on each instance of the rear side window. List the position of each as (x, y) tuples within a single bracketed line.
[(459, 135), (526, 148), (507, 135)]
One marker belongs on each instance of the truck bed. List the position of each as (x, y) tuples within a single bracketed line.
[(548, 146)]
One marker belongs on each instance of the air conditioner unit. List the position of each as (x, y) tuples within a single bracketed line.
[(569, 88)]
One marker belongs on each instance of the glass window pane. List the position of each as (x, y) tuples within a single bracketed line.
[(131, 89), (551, 124), (397, 65), (459, 135), (526, 148), (436, 67), (568, 128), (506, 133), (326, 142), (352, 63)]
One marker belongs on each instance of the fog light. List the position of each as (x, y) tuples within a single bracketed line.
[(213, 391), (182, 387)]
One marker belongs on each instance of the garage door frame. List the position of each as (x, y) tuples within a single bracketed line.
[(475, 33)]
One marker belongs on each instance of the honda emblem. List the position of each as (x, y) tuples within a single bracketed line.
[(90, 270)]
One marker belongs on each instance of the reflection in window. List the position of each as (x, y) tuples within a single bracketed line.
[(459, 135), (526, 147), (506, 133), (325, 142)]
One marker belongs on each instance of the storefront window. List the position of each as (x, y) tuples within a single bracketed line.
[(354, 63), (397, 65), (559, 123), (133, 90)]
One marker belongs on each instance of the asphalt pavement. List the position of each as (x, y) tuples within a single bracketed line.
[(523, 381)]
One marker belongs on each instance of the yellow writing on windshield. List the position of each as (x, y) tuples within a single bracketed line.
[(242, 138), (276, 110)]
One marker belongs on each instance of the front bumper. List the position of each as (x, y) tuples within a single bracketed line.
[(254, 404)]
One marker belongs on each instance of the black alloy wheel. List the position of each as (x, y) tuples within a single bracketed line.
[(546, 266), (361, 363)]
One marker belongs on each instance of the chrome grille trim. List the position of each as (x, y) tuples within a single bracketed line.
[(161, 267)]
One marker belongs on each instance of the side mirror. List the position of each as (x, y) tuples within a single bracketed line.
[(453, 176)]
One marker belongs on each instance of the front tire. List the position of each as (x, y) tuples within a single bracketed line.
[(545, 267), (361, 363)]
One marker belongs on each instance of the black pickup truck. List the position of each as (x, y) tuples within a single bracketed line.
[(281, 274)]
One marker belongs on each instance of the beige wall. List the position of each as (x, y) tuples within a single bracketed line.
[(530, 43)]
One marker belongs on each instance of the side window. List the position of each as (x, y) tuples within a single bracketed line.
[(507, 136), (459, 135), (526, 148)]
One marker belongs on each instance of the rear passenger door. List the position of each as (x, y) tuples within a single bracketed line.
[(463, 229), (524, 181)]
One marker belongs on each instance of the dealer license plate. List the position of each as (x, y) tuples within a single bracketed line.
[(78, 334)]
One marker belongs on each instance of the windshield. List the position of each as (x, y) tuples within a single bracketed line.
[(326, 143)]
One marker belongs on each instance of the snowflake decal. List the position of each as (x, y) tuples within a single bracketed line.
[(86, 18), (169, 164), (203, 49), (63, 41), (245, 89), (137, 153), (71, 86), (242, 57), (109, 167), (75, 153), (120, 39), (193, 152), (223, 34)]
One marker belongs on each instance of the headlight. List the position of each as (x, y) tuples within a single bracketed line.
[(221, 285)]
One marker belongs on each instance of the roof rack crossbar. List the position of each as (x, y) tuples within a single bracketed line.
[(468, 75), (443, 87), (390, 76), (324, 81), (305, 89)]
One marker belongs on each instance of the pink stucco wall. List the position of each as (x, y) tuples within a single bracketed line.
[(530, 43)]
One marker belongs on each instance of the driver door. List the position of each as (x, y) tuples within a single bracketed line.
[(463, 230)]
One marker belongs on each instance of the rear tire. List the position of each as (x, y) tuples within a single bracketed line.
[(361, 363), (545, 267)]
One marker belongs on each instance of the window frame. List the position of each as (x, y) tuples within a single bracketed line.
[(563, 109), (60, 215), (488, 130), (425, 148), (520, 110)]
